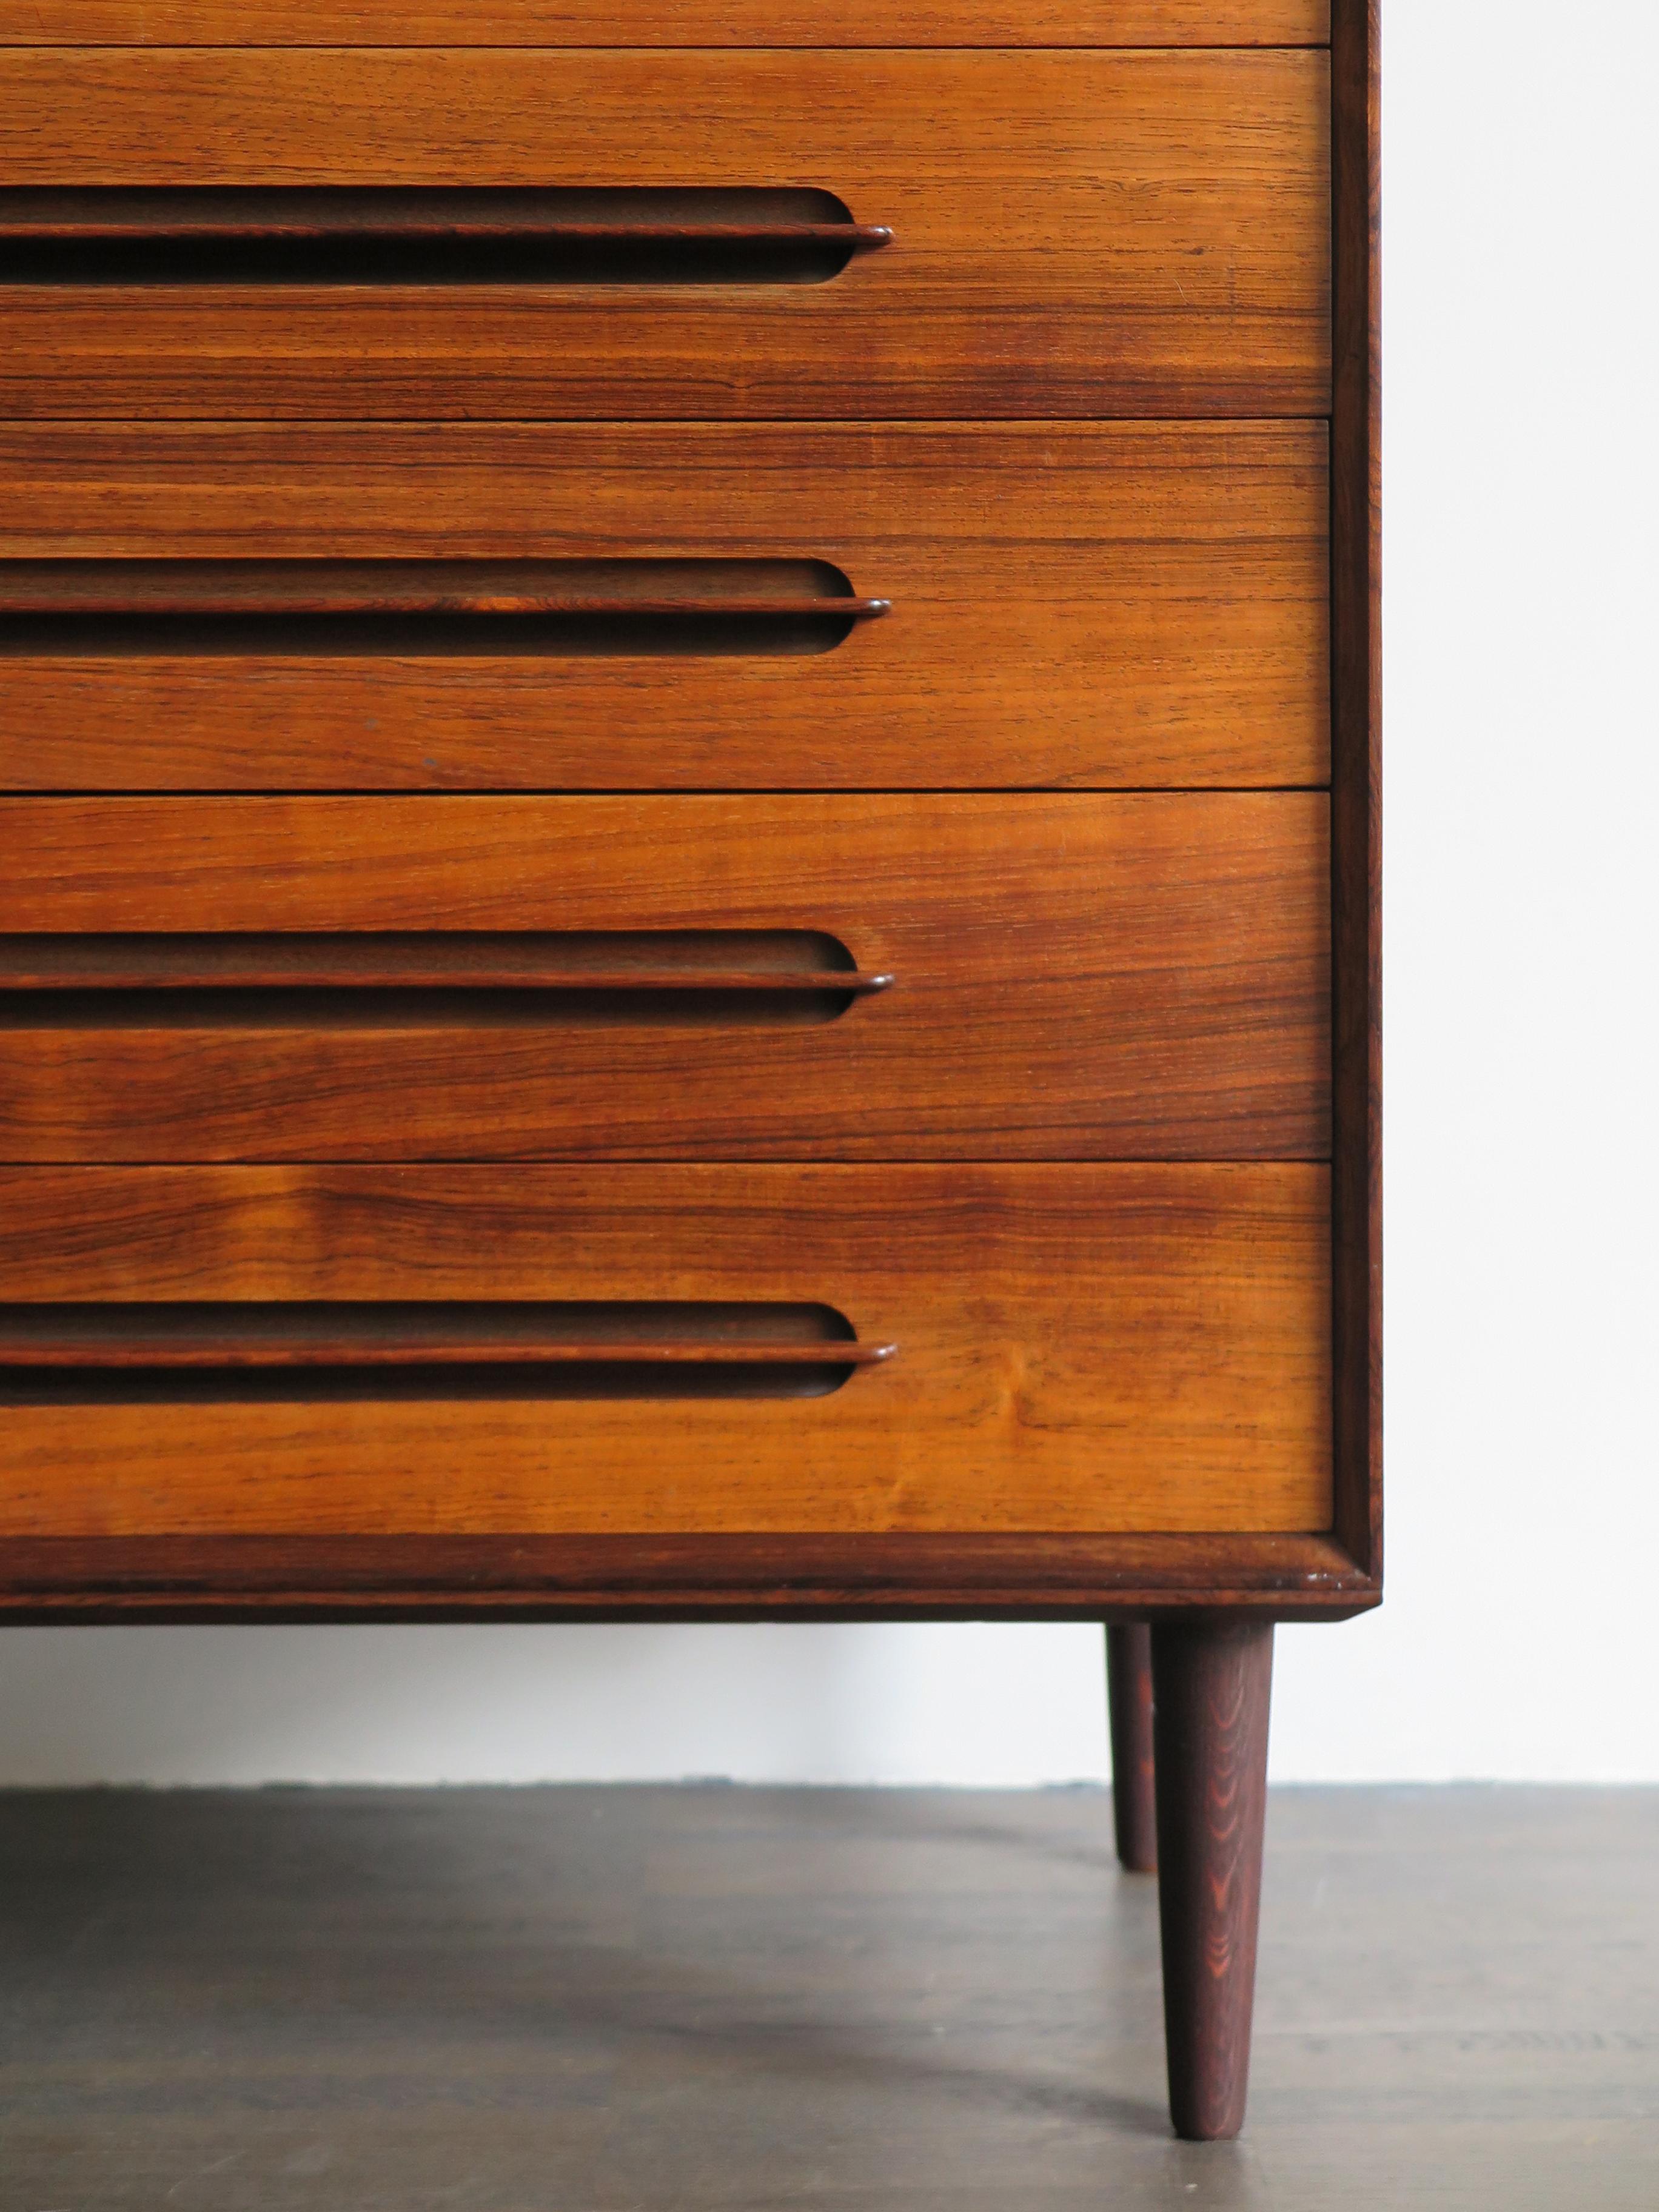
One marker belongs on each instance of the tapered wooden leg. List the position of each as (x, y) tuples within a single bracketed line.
[(1129, 1702), (1211, 1684)]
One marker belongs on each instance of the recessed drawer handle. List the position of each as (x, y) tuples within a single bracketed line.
[(413, 234), (403, 607), (105, 1352), (450, 978)]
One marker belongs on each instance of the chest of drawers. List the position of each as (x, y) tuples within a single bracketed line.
[(689, 725)]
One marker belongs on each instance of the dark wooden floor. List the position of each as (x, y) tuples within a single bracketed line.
[(584, 2000)]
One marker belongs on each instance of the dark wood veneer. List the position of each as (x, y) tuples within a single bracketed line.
[(1356, 780), (1129, 1704), (1211, 1683), (685, 1578)]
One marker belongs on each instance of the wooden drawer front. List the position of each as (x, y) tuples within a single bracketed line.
[(1082, 604), (1073, 231), (669, 23), (1076, 1348), (1071, 976)]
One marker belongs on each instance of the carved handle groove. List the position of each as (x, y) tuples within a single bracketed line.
[(174, 1353), (208, 1351), (403, 607), (456, 978), (413, 234), (399, 587)]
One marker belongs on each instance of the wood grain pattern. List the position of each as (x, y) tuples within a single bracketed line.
[(498, 973), (666, 23), (1082, 1348), (882, 1577), (1357, 793), (1211, 1680), (1075, 977), (94, 1350), (281, 227), (187, 590), (1080, 605), (1076, 1575), (1074, 232)]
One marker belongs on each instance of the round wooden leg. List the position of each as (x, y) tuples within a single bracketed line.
[(1129, 1702), (1211, 1684)]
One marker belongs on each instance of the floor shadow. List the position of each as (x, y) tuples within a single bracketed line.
[(275, 1928)]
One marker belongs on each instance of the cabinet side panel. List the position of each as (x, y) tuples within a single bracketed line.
[(1356, 796)]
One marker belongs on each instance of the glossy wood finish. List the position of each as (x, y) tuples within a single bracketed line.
[(1032, 942), (1211, 1680), (1129, 605), (96, 1349), (146, 590), (1356, 785), (1075, 232), (667, 23), (1074, 1576), (1029, 1375), (482, 973), (1087, 1349), (887, 1576), (1129, 1708), (399, 237)]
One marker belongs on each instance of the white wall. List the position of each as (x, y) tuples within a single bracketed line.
[(1522, 1229)]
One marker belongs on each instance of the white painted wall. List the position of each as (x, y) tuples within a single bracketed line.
[(1523, 1227)]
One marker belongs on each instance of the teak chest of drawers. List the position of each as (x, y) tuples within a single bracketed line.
[(689, 728)]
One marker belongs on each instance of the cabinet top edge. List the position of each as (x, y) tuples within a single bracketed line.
[(668, 23)]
